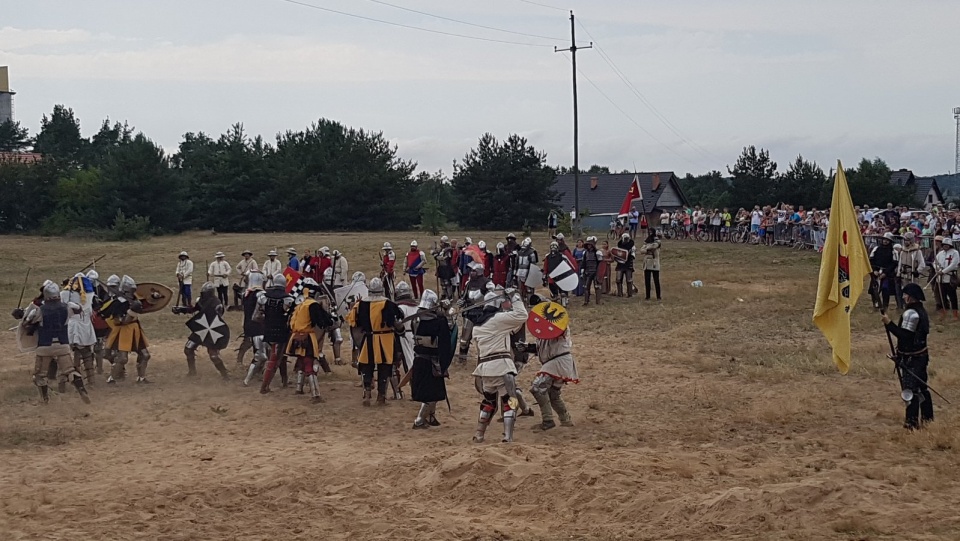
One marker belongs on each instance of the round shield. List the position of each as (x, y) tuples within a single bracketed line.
[(153, 296), (547, 320)]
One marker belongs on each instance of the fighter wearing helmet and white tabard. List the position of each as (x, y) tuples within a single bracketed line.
[(407, 305), (526, 256), (495, 375), (78, 295)]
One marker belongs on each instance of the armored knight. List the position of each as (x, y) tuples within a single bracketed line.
[(126, 334), (476, 287), (526, 256), (408, 306), (495, 375), (433, 353), (253, 327), (207, 310), (592, 258), (303, 343), (625, 268), (379, 319), (446, 271), (49, 321), (78, 296), (274, 306), (387, 263), (328, 301), (558, 368)]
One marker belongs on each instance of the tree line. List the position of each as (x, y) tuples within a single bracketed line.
[(119, 184)]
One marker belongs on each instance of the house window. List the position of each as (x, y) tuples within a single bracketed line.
[(930, 198)]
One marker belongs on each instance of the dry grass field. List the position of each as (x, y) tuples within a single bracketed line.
[(716, 415)]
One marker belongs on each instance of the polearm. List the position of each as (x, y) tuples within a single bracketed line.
[(92, 263), (24, 288), (898, 366)]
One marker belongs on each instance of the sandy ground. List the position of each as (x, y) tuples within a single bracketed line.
[(717, 415)]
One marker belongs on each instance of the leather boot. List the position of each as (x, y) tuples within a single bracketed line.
[(218, 363), (244, 347), (629, 289), (324, 365), (367, 395), (586, 297), (619, 289), (556, 400), (381, 399), (78, 383)]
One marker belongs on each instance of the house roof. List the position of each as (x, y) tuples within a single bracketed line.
[(20, 157), (604, 193), (902, 177), (949, 184)]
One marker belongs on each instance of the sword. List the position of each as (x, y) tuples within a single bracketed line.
[(24, 288)]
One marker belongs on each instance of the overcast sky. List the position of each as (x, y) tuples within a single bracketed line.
[(826, 79)]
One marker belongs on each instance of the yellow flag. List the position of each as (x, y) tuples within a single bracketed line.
[(842, 269)]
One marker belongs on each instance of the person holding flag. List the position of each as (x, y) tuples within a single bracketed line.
[(843, 266)]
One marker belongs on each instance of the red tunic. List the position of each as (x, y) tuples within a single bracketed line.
[(389, 260), (500, 270)]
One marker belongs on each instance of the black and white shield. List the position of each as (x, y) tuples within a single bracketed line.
[(209, 331)]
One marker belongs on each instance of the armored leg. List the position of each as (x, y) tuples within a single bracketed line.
[(559, 406), (85, 355), (143, 357), (314, 389), (384, 372), (41, 367), (395, 382), (299, 369), (509, 419), (244, 347), (620, 277), (488, 408), (540, 390), (336, 339), (271, 368), (465, 339), (69, 374), (366, 372), (190, 350), (118, 369), (422, 416), (218, 362), (324, 365), (98, 355), (629, 274)]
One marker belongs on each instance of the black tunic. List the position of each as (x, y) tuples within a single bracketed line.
[(425, 386)]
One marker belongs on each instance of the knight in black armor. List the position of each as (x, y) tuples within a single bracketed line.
[(625, 268), (209, 307), (474, 290), (592, 257), (912, 357), (433, 353), (446, 272), (275, 305)]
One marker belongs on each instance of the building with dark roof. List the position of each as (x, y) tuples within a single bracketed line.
[(602, 195), (927, 193), (949, 186)]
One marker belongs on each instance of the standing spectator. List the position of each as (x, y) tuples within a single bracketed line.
[(726, 221), (614, 223), (219, 273), (651, 263), (606, 268), (644, 225), (756, 217), (946, 264), (665, 219), (715, 220), (185, 279), (293, 262), (634, 221), (553, 221)]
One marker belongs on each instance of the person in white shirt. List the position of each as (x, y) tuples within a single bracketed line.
[(341, 268), (246, 265), (185, 279), (946, 263), (218, 273), (271, 267)]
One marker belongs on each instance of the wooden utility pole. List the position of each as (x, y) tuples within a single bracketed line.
[(578, 230)]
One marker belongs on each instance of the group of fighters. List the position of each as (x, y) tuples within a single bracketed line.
[(403, 334)]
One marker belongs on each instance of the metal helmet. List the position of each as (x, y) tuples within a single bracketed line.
[(336, 253), (491, 286), (403, 292), (511, 236), (325, 250), (375, 288), (897, 247), (444, 239), (279, 280), (208, 290), (625, 236), (311, 284), (413, 243), (560, 236), (387, 246), (909, 235), (359, 277), (499, 246), (476, 267), (93, 275), (51, 291), (429, 299), (467, 241), (554, 246), (128, 285), (255, 280), (113, 281), (591, 240), (526, 242)]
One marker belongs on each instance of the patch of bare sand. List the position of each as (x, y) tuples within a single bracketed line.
[(673, 440)]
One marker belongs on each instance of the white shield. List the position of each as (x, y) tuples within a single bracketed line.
[(564, 276), (534, 277), (348, 294)]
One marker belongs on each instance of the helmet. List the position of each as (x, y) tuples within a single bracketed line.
[(499, 246), (359, 277), (492, 298), (291, 251), (591, 240), (208, 289), (560, 236), (467, 241), (444, 239), (113, 281), (888, 235), (428, 300), (536, 299), (511, 236), (526, 242), (93, 275), (128, 285), (375, 287), (482, 245), (336, 253), (51, 291), (554, 246), (279, 280), (311, 284), (387, 246), (898, 247), (476, 266), (255, 280), (914, 291), (325, 250), (413, 243), (625, 236), (403, 291), (909, 235), (491, 286)]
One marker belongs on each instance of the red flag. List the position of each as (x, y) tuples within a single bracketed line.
[(632, 194), (294, 279)]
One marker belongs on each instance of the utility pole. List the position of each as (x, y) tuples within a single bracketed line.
[(576, 127), (956, 116)]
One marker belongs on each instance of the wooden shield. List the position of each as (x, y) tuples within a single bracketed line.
[(619, 255), (26, 337), (154, 296), (565, 276), (547, 320)]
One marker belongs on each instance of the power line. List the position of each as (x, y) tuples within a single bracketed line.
[(411, 27), (643, 99), (465, 22), (542, 5), (631, 119)]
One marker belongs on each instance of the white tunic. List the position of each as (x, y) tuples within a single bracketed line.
[(79, 325), (218, 272), (947, 262), (185, 271), (557, 358), (406, 339), (271, 268), (493, 337)]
